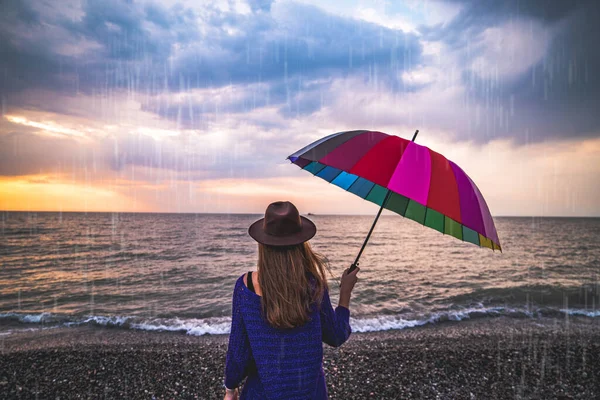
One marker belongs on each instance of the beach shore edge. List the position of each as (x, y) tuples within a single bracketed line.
[(499, 358)]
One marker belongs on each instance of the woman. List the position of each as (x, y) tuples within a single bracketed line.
[(282, 313)]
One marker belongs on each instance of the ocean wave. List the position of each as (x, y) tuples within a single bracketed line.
[(585, 313), (190, 326), (393, 322), (195, 327), (222, 325), (29, 318)]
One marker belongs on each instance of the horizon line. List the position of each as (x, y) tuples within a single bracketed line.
[(253, 213)]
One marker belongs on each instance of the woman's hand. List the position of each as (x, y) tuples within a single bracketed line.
[(231, 394), (346, 285)]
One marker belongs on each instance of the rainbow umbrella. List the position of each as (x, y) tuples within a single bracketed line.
[(404, 177)]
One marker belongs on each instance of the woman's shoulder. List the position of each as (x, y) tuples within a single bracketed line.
[(239, 283), (242, 289)]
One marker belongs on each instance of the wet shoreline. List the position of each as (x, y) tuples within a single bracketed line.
[(490, 359)]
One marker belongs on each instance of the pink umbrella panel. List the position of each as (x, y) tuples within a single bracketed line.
[(425, 186)]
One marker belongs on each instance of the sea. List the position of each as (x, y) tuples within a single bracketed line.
[(176, 272)]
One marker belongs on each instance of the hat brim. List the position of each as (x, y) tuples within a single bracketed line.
[(306, 233)]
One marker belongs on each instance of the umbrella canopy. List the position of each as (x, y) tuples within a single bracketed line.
[(404, 177)]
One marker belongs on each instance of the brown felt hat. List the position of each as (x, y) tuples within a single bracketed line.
[(282, 226)]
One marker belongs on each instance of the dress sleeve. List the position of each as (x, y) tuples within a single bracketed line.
[(238, 352), (335, 325)]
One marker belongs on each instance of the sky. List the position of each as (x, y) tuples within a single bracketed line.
[(193, 106)]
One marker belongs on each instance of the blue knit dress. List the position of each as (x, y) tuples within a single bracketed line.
[(280, 363)]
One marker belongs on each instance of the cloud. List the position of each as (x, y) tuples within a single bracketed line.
[(48, 128), (171, 94), (150, 49), (23, 152), (278, 58), (523, 71), (260, 5), (510, 49), (545, 10), (228, 149), (523, 67)]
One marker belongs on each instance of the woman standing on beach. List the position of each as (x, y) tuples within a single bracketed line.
[(282, 313)]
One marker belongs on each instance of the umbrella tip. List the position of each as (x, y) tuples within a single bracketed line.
[(415, 135)]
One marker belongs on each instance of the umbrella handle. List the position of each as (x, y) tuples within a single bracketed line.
[(353, 267)]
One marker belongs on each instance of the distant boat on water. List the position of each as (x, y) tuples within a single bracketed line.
[(310, 214)]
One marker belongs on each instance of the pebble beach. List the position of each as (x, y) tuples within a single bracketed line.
[(501, 358)]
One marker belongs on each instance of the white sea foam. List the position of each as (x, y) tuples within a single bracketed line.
[(585, 313), (386, 322), (390, 322), (190, 326), (222, 325), (195, 327), (115, 320), (28, 318)]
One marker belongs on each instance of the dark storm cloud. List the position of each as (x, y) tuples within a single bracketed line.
[(293, 98), (547, 10), (23, 65), (149, 49), (115, 45), (555, 97), (294, 49), (475, 16), (302, 40), (287, 56)]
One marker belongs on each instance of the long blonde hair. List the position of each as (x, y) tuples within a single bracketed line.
[(283, 276)]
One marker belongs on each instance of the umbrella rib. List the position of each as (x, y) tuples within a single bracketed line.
[(338, 174), (444, 225), (406, 208), (370, 190)]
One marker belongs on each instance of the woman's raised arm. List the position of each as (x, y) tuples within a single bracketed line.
[(335, 324)]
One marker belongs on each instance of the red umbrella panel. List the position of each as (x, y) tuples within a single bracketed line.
[(425, 186)]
